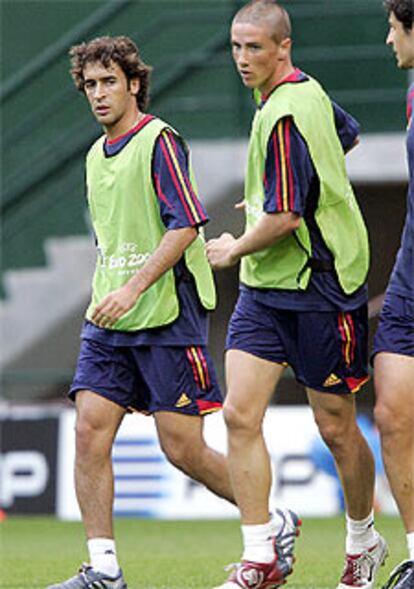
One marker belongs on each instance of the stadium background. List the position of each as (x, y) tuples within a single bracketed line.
[(47, 248)]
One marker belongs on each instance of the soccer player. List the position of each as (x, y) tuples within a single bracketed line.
[(303, 298), (394, 340), (143, 344)]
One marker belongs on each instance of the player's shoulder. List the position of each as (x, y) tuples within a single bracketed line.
[(96, 146), (171, 138)]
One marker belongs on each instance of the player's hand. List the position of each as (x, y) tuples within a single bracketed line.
[(219, 251), (114, 306)]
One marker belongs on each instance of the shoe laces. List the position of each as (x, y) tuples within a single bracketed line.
[(358, 568), (285, 539), (84, 574), (84, 570)]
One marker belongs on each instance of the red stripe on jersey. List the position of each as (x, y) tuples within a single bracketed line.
[(200, 211), (279, 201), (160, 193), (182, 176), (288, 164), (175, 179), (192, 195)]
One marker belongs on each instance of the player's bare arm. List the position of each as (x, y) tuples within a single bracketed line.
[(226, 251), (120, 301)]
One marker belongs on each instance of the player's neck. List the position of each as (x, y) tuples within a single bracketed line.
[(122, 126), (285, 70)]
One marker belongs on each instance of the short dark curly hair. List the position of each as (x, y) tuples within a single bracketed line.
[(120, 50), (403, 10)]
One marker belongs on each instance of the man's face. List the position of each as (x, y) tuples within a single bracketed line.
[(257, 56), (402, 42), (108, 93)]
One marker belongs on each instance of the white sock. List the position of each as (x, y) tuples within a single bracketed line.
[(258, 544), (410, 544), (361, 535), (102, 554)]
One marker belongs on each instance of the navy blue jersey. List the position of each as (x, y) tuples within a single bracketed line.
[(173, 187), (402, 277), (288, 155)]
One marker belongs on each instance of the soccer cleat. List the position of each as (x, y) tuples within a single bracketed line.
[(254, 575), (361, 569), (285, 537), (402, 577), (90, 579)]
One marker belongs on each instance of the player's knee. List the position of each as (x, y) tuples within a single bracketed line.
[(334, 434), (89, 438), (180, 452), (240, 420), (391, 421)]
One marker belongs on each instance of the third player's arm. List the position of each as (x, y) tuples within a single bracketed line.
[(269, 229), (227, 250)]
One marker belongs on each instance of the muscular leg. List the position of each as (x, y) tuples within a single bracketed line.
[(97, 422), (181, 439), (335, 416), (394, 415), (251, 382)]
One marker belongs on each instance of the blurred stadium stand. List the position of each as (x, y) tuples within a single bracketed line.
[(47, 250)]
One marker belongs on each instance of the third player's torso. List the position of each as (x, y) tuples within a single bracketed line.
[(402, 278)]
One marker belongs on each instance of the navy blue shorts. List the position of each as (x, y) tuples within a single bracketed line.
[(395, 332), (327, 351), (149, 378)]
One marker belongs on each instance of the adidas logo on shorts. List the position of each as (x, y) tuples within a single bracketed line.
[(183, 401), (332, 380)]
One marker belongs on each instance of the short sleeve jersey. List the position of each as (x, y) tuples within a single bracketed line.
[(288, 156), (402, 277), (173, 187)]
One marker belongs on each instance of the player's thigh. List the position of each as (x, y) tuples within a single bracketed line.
[(178, 430), (97, 417), (335, 414), (394, 382), (251, 382)]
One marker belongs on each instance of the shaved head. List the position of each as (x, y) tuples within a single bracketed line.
[(268, 14)]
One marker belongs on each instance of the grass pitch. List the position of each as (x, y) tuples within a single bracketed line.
[(35, 552)]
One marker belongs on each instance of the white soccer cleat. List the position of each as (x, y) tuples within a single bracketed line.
[(254, 575), (361, 569), (88, 578)]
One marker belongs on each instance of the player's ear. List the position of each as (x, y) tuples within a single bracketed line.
[(286, 45), (134, 86)]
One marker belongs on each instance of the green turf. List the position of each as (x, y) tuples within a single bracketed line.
[(35, 552)]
